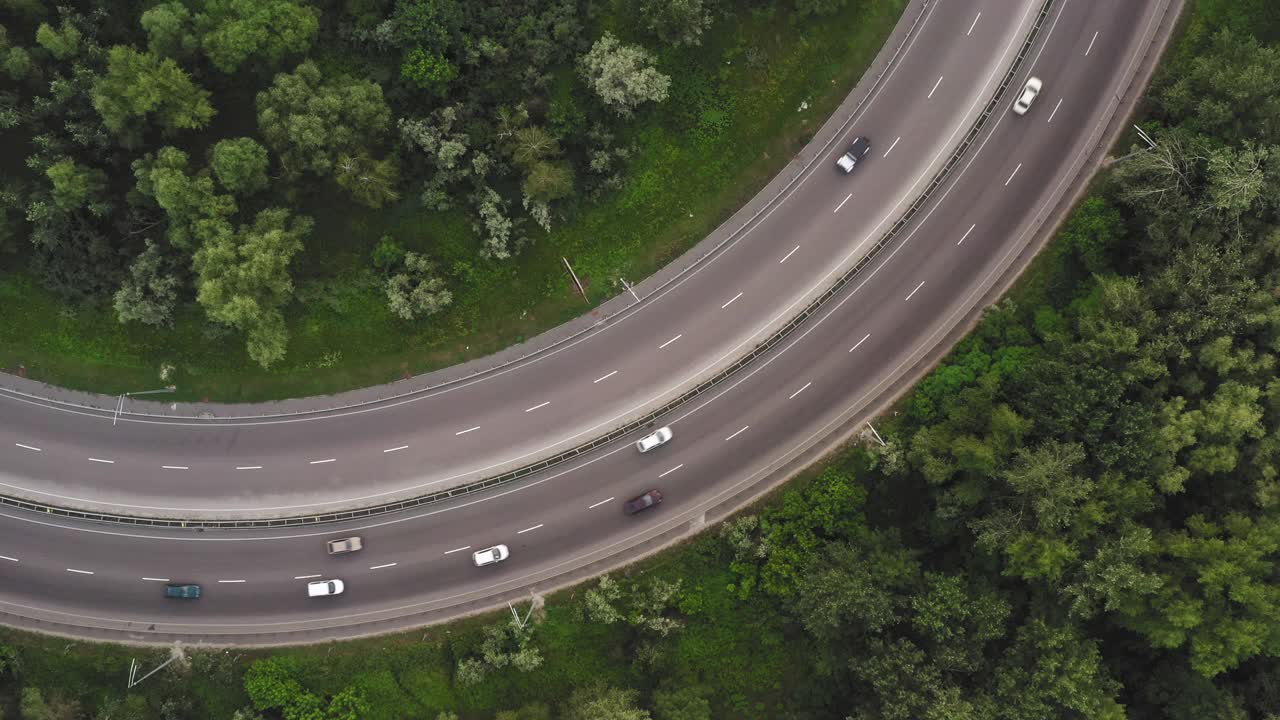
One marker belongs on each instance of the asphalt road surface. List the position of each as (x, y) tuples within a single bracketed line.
[(87, 576)]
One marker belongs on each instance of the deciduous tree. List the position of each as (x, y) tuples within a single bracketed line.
[(622, 76), (141, 87)]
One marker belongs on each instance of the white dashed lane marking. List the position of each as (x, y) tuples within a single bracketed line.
[(891, 147), (28, 447), (81, 572), (842, 202), (913, 292), (306, 577), (973, 24), (793, 252), (735, 297), (248, 467), (174, 467), (1091, 42), (100, 460), (966, 233), (529, 529), (1055, 111), (604, 377), (744, 429), (470, 429), (450, 552), (396, 449), (156, 579), (864, 339), (10, 559), (231, 581), (663, 345), (593, 507), (794, 394), (384, 565), (671, 470), (539, 405), (321, 462), (935, 88), (1015, 172)]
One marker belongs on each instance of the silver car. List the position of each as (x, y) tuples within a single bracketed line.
[(657, 438), (1028, 96), (489, 556), (344, 545)]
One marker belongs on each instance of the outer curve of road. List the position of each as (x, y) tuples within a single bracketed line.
[(103, 581)]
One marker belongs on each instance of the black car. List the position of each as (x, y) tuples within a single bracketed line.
[(647, 500), (185, 592), (848, 161)]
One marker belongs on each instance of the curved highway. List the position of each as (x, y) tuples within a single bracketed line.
[(104, 580)]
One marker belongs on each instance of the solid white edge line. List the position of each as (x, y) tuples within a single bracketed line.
[(306, 577), (604, 377), (82, 572), (529, 529), (10, 559), (794, 394), (973, 24), (935, 88), (156, 579), (450, 552), (913, 292), (677, 337), (29, 447), (321, 462), (593, 507), (966, 233), (891, 147), (464, 432), (231, 581), (1015, 172), (744, 429), (864, 339), (385, 565), (100, 460), (662, 475), (735, 297), (842, 202), (396, 449), (793, 252), (174, 467), (539, 405), (248, 467)]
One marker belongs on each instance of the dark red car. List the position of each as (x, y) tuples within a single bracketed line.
[(647, 500)]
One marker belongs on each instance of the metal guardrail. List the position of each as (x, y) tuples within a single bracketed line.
[(630, 427)]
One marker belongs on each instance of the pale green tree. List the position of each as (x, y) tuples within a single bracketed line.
[(623, 76), (234, 31), (141, 87), (243, 279), (240, 164)]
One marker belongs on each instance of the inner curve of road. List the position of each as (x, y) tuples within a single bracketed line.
[(105, 581)]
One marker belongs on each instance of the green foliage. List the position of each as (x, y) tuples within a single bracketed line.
[(16, 62), (601, 702), (1230, 91), (371, 182), (62, 43), (240, 164), (170, 30), (243, 279), (149, 293), (416, 291), (678, 22), (35, 706), (197, 213), (622, 76), (234, 31), (74, 185), (139, 87), (428, 71), (312, 121)]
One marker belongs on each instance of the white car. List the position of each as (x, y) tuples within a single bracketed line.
[(657, 438), (489, 556), (1028, 96), (320, 588)]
